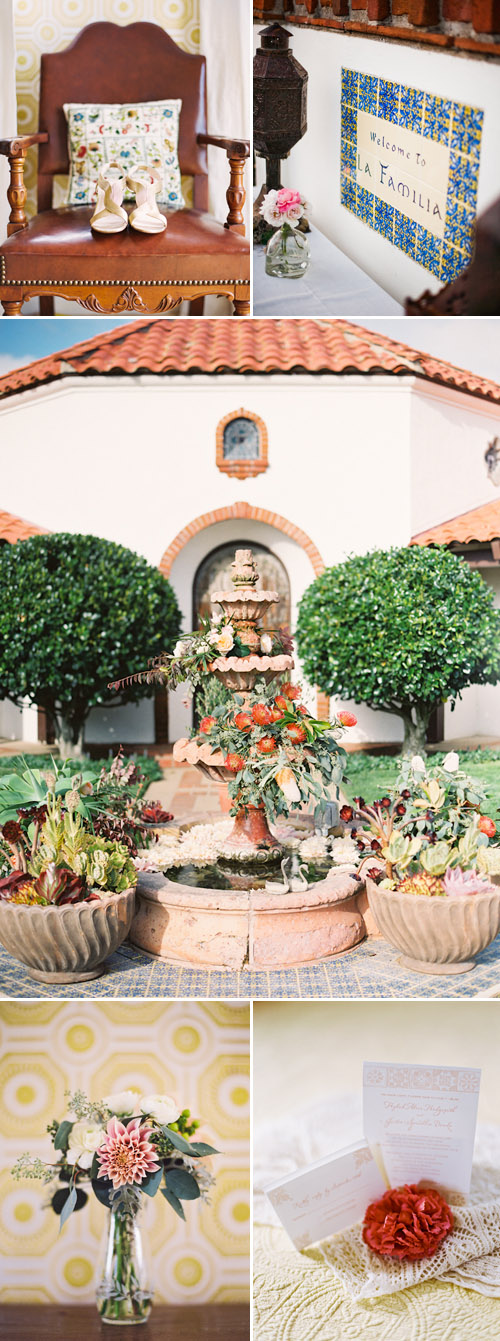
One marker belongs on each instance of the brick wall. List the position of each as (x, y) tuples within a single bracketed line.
[(469, 27)]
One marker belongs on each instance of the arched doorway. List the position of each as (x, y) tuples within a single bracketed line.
[(214, 574)]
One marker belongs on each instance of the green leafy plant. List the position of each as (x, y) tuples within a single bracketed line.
[(401, 630), (75, 610)]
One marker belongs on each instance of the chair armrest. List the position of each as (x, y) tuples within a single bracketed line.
[(15, 150), (237, 152), (20, 143), (233, 148)]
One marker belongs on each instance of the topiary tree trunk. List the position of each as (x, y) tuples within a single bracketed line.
[(415, 721)]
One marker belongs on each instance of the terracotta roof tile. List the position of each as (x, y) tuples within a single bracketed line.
[(247, 346), (481, 524), (14, 528)]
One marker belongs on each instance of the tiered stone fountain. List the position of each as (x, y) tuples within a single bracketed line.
[(245, 924)]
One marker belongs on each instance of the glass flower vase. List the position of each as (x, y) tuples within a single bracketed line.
[(287, 253), (124, 1294)]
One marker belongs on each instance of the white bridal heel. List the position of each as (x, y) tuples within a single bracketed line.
[(146, 216), (109, 215)]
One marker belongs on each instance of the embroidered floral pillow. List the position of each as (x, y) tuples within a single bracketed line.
[(128, 134)]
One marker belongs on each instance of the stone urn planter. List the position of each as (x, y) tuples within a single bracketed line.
[(67, 944), (436, 935)]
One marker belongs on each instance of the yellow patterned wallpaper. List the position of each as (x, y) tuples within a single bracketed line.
[(197, 1051), (50, 25)]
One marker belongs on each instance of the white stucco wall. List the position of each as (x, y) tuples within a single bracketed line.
[(314, 163), (135, 461), (449, 433), (478, 710)]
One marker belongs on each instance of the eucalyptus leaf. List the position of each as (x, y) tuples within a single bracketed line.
[(61, 1138), (69, 1206), (182, 1184), (173, 1201), (151, 1184)]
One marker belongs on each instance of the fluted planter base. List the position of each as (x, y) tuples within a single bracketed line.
[(67, 944), (435, 935), (421, 966)]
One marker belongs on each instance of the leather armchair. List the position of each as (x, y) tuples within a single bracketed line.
[(56, 253)]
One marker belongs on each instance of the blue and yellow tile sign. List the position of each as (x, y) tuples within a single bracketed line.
[(410, 168)]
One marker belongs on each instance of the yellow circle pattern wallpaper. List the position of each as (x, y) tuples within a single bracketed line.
[(198, 1052), (50, 25)]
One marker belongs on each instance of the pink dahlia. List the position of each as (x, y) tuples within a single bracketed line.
[(127, 1155)]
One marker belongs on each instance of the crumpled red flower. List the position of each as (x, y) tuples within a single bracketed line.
[(407, 1223)]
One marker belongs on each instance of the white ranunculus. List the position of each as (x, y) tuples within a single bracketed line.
[(266, 643), (418, 764), (162, 1107), (125, 1103), (452, 762), (85, 1139)]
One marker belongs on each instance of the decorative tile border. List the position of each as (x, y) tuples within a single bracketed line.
[(452, 124)]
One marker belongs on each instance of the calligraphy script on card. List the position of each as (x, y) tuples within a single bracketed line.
[(423, 1121), (328, 1196)]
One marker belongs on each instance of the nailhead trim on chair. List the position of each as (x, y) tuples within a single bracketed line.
[(114, 283)]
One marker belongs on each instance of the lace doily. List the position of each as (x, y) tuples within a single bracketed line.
[(298, 1298), (472, 1248)]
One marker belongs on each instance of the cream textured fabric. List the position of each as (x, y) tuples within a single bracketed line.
[(298, 1298), (473, 1247)]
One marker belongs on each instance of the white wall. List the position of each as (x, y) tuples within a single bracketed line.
[(11, 721), (450, 433), (478, 711), (146, 457), (314, 164), (125, 725)]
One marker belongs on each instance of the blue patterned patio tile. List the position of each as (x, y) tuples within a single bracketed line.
[(372, 970)]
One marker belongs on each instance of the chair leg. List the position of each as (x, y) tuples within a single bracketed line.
[(196, 307), (47, 306), (241, 307), (11, 309)]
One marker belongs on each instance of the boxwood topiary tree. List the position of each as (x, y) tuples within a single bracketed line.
[(76, 613), (400, 630)]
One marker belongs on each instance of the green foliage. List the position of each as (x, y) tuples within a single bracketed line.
[(399, 629), (372, 775), (17, 763), (76, 612), (211, 694)]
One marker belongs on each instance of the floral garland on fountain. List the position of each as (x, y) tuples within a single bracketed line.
[(264, 744)]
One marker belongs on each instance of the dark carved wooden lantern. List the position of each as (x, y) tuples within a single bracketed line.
[(280, 101)]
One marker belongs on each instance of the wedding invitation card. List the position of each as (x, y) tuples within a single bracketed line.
[(421, 1120), (327, 1196)]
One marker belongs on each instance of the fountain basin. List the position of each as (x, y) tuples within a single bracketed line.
[(227, 929)]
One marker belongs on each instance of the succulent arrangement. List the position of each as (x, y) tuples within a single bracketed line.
[(56, 859), (429, 832)]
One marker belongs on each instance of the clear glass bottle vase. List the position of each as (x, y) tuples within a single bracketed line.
[(287, 253), (124, 1294)]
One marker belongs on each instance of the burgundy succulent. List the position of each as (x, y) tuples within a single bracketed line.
[(12, 832)]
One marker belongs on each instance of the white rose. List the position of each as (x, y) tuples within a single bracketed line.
[(179, 649), (266, 643), (452, 762), (124, 1103), (418, 764), (162, 1107), (85, 1139), (225, 640)]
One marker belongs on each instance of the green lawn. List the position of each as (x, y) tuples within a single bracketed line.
[(370, 775)]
